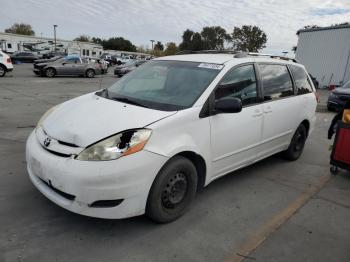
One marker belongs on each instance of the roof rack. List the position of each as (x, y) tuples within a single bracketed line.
[(237, 54), (273, 56), (185, 52)]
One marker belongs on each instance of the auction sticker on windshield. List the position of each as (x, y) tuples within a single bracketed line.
[(211, 66)]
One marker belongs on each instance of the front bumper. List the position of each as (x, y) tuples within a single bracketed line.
[(128, 178), (37, 72)]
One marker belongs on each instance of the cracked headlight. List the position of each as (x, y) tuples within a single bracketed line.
[(122, 144)]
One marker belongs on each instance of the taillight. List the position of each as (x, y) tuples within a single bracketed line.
[(9, 60), (331, 87), (317, 95)]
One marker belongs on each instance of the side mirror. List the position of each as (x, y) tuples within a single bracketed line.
[(228, 105)]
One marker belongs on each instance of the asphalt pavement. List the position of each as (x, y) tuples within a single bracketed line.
[(274, 210)]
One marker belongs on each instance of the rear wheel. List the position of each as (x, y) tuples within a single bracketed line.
[(2, 70), (296, 146), (90, 73), (172, 191), (50, 72)]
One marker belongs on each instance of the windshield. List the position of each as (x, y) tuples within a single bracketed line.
[(165, 85)]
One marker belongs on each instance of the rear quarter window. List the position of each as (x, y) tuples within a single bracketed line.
[(301, 80)]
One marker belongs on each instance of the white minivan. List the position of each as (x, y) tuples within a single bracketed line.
[(150, 141), (5, 64)]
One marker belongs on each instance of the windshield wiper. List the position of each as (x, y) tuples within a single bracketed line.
[(127, 100)]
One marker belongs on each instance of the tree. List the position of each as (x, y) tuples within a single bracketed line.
[(311, 26), (118, 43), (96, 40), (171, 49), (21, 29), (214, 37), (248, 38), (82, 38), (197, 42), (186, 40), (159, 46)]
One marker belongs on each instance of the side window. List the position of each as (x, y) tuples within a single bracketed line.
[(301, 80), (276, 81), (239, 83), (73, 60)]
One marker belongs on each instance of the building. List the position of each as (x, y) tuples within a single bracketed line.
[(325, 52), (11, 43)]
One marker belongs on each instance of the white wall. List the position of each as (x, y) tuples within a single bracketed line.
[(326, 54)]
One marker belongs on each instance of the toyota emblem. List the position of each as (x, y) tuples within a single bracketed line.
[(47, 141)]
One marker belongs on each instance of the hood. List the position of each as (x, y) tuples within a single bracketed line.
[(41, 64), (342, 91), (90, 118)]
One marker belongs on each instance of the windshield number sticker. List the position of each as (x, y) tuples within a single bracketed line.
[(211, 66)]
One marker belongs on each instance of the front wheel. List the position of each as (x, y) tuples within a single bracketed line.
[(50, 72), (90, 73), (296, 146), (172, 191), (2, 71)]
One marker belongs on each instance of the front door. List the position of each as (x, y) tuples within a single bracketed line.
[(280, 108), (235, 137)]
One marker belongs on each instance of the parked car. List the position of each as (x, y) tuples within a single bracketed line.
[(170, 127), (52, 54), (28, 57), (70, 65), (128, 67), (314, 81), (5, 64), (126, 59), (338, 97), (111, 59)]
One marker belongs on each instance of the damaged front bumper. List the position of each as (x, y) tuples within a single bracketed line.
[(105, 189)]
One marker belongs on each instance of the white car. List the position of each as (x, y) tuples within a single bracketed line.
[(167, 129), (5, 64)]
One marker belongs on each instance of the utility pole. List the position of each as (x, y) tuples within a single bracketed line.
[(152, 41), (54, 33)]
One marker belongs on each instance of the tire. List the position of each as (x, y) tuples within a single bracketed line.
[(334, 170), (90, 73), (296, 146), (50, 72), (2, 70), (172, 191)]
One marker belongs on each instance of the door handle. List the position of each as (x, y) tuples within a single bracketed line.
[(257, 113), (267, 109)]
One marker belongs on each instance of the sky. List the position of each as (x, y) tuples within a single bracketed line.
[(165, 20)]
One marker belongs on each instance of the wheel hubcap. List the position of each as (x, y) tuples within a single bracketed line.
[(174, 191)]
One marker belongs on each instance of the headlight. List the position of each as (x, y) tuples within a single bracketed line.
[(122, 144), (45, 115), (334, 95)]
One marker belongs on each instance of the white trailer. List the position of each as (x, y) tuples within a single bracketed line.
[(325, 52)]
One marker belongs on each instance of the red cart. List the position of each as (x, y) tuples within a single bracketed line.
[(340, 157)]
